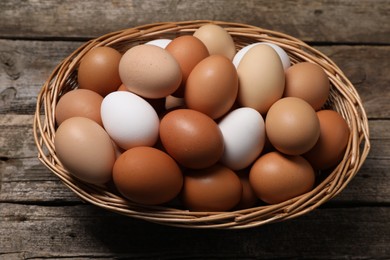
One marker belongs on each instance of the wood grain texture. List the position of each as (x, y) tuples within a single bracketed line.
[(84, 231), (362, 21)]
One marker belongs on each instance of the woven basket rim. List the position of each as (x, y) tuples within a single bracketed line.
[(343, 98)]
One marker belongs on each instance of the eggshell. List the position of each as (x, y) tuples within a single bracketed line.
[(85, 150), (307, 81), (248, 195), (212, 86), (285, 59), (147, 175), (129, 120), (292, 126), (162, 43), (150, 71), (243, 133), (261, 78), (276, 177), (330, 147), (191, 138), (216, 188), (98, 70), (188, 52), (79, 102), (217, 40)]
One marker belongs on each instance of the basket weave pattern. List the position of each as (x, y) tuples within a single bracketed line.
[(343, 98)]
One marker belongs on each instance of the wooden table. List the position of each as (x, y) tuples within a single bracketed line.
[(41, 218)]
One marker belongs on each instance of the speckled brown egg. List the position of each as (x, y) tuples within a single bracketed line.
[(98, 70), (191, 138), (216, 188), (276, 177)]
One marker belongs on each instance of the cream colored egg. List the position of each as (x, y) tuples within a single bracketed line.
[(217, 40), (261, 78)]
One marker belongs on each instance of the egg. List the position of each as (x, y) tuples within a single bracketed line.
[(212, 86), (193, 139), (243, 134), (330, 147), (248, 196), (188, 52), (308, 81), (147, 175), (261, 78), (216, 188), (98, 70), (217, 40), (292, 126), (285, 59), (162, 43), (85, 150), (276, 177), (150, 71), (79, 102), (129, 120)]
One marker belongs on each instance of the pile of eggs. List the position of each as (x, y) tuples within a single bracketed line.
[(191, 119)]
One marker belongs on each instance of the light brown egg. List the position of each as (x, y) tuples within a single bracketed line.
[(150, 71), (188, 51), (308, 81), (261, 78), (212, 86), (330, 147), (147, 175), (79, 102), (213, 189), (292, 126), (98, 70), (217, 40), (85, 150), (276, 177), (191, 138), (248, 196)]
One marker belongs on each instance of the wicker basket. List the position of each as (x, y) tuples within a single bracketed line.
[(343, 98)]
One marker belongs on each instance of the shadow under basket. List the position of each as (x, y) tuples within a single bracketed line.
[(343, 98)]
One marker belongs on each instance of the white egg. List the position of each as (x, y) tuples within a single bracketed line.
[(243, 133), (282, 54), (162, 43), (129, 120)]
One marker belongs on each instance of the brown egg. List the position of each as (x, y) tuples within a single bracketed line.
[(150, 71), (98, 70), (147, 175), (188, 51), (79, 102), (191, 138), (292, 126), (330, 147), (276, 177), (212, 86), (213, 189), (308, 81), (248, 196), (85, 150)]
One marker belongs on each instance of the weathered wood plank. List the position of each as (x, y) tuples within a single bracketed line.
[(305, 19), (85, 231), (27, 64), (25, 180)]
